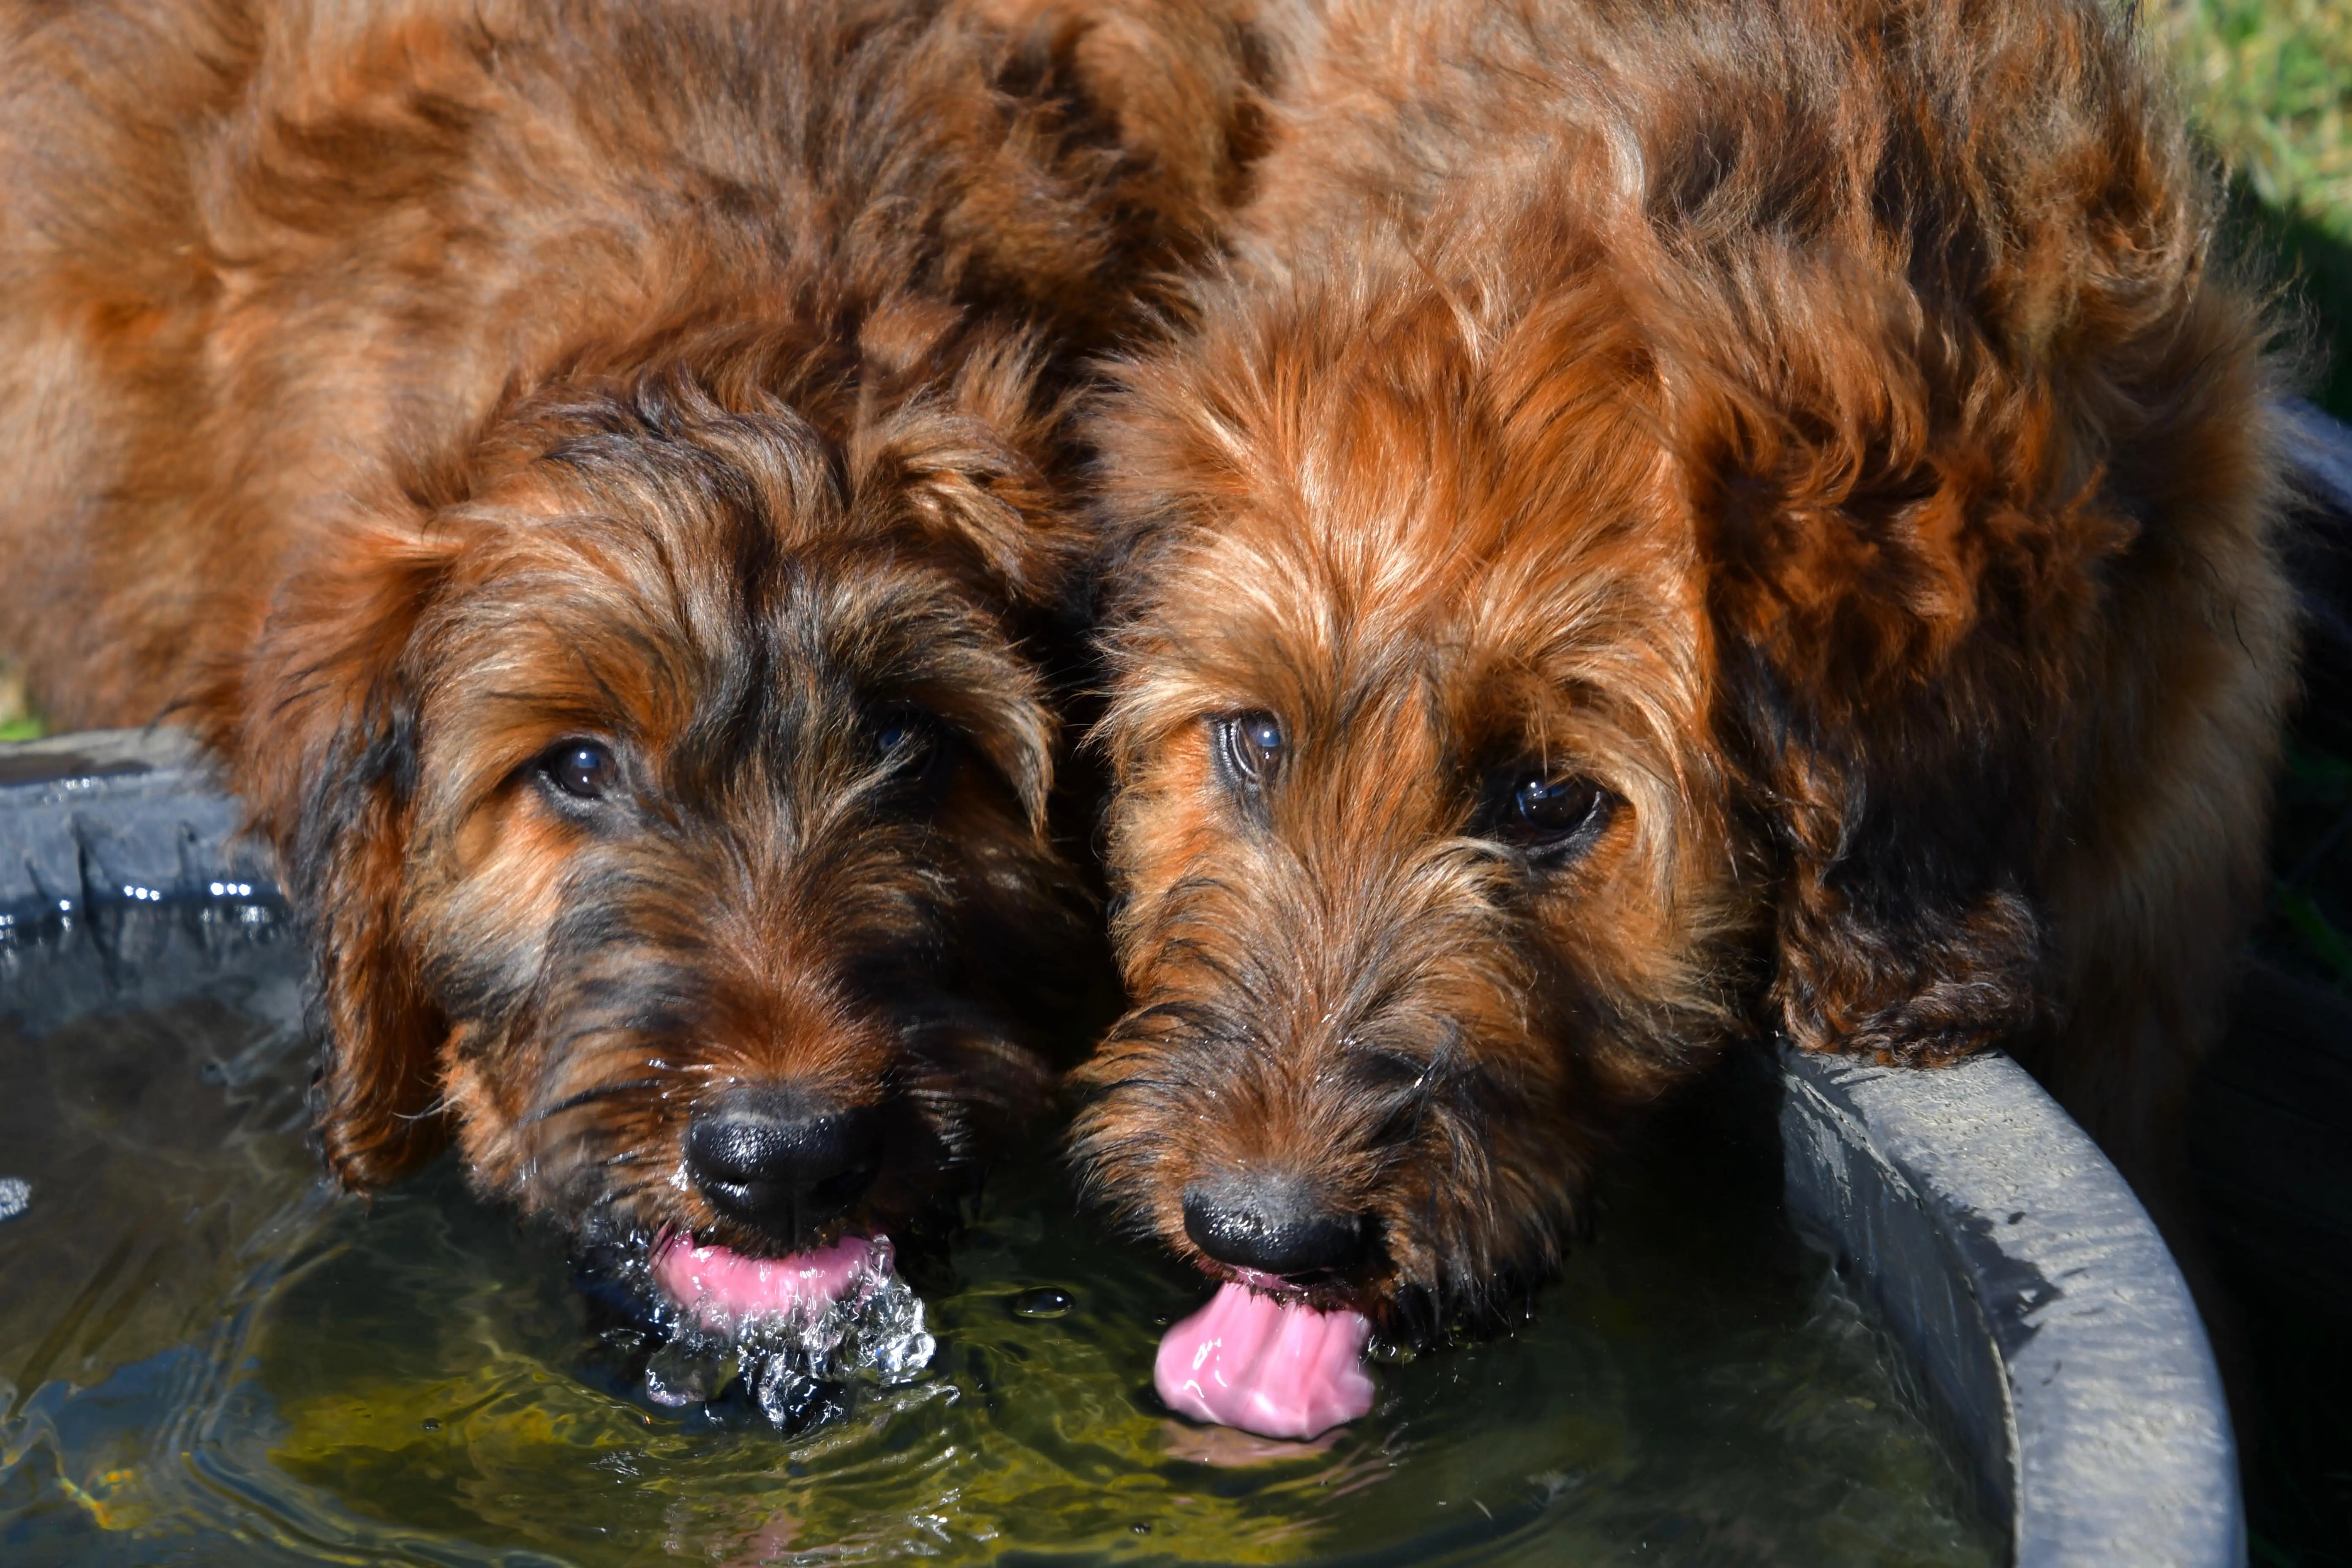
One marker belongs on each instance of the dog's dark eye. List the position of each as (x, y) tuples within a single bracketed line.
[(1253, 745), (911, 743), (1545, 814), (582, 769)]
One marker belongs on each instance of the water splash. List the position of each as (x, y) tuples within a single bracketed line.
[(799, 1365)]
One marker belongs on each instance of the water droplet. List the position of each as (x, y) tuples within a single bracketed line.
[(1045, 1301), (785, 1392), (674, 1378)]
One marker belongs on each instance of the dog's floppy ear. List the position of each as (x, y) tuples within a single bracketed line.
[(958, 470), (320, 728), (1897, 619), (1178, 88)]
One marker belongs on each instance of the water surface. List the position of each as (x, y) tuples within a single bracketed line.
[(205, 1358)]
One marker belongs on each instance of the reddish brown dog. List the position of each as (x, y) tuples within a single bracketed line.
[(1684, 519), (595, 477)]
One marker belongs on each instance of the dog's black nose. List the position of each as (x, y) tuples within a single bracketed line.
[(1274, 1224), (780, 1160)]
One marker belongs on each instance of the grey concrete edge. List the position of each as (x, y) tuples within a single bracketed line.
[(2108, 1398), (116, 815)]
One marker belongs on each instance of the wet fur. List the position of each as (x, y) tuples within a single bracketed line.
[(394, 390), (1821, 423)]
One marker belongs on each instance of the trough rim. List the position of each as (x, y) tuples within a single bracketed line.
[(2099, 1422)]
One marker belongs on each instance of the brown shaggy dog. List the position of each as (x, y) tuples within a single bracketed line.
[(593, 473), (1683, 519)]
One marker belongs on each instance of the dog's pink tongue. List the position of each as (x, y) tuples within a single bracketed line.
[(1279, 1369), (722, 1288)]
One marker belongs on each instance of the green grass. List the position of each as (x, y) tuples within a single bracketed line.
[(2269, 87), (18, 719)]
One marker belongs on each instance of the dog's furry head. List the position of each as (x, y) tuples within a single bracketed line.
[(684, 741), (1694, 575)]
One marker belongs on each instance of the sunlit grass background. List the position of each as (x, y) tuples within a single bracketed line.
[(17, 721), (2269, 84)]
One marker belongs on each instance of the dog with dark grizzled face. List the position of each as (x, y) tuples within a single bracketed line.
[(594, 476), (1683, 519)]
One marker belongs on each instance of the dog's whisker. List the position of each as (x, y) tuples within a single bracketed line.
[(593, 1096), (607, 1199)]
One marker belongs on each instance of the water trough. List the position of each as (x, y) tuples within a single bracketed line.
[(2044, 1325)]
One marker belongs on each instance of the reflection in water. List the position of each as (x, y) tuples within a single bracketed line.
[(204, 1357)]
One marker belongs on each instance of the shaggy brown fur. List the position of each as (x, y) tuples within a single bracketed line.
[(1685, 518), (593, 473)]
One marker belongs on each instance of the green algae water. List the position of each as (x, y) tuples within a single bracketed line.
[(204, 1358)]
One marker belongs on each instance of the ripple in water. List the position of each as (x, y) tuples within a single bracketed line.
[(205, 1358)]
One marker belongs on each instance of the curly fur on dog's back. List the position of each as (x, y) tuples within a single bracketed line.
[(1819, 428), (298, 249)]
